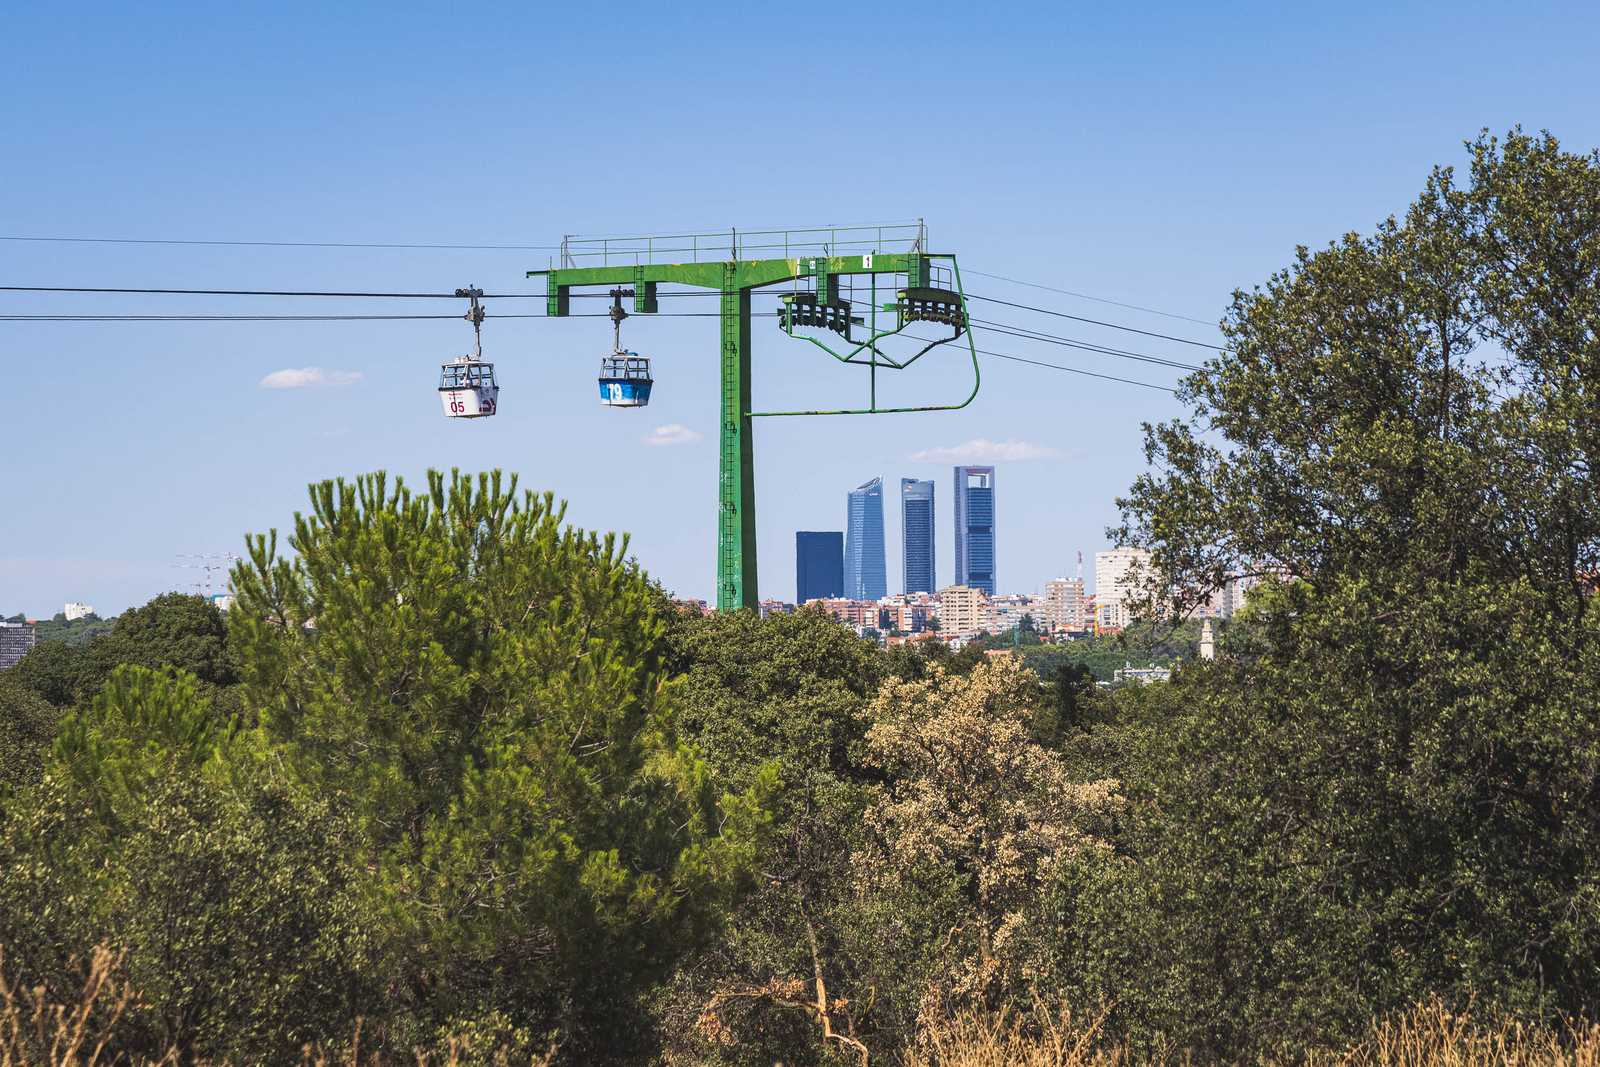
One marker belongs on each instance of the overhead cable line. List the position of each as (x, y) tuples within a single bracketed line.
[(322, 292), (1097, 322), (1085, 346), (1096, 299), (258, 292), (276, 244), (363, 294), (1076, 370), (1059, 367), (30, 238), (369, 318), (1007, 329), (1004, 328), (320, 318), (222, 318)]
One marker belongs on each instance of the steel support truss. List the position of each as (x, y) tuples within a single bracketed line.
[(736, 280)]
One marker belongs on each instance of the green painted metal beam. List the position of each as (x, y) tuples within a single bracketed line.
[(737, 585), (748, 273)]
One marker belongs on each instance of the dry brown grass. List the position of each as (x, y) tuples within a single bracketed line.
[(39, 1030), (1427, 1036), (1042, 1039), (1431, 1036)]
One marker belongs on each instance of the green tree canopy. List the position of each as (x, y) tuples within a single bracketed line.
[(482, 687), (1394, 790), (229, 898), (784, 692), (27, 723), (55, 671), (173, 630), (975, 821)]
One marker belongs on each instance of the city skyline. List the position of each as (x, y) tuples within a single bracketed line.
[(925, 493)]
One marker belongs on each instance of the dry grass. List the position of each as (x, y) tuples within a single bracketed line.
[(1432, 1036), (38, 1030), (1428, 1036), (1042, 1039)]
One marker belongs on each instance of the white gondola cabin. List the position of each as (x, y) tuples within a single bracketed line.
[(467, 388)]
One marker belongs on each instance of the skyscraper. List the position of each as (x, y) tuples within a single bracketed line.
[(864, 566), (975, 563), (818, 564), (916, 527)]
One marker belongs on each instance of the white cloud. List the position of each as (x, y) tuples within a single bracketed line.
[(983, 450), (673, 433), (308, 377)]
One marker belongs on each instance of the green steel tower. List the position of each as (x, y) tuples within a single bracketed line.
[(822, 263)]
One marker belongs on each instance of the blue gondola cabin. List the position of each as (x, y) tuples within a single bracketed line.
[(625, 380)]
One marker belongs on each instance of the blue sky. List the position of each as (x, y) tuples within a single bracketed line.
[(1158, 154)]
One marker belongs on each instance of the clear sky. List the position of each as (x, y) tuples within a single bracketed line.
[(1159, 154)]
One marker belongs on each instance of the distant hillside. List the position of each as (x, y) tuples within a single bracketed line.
[(1142, 644), (73, 632)]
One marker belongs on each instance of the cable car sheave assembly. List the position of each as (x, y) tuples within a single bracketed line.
[(466, 384), (624, 376), (927, 288), (822, 308)]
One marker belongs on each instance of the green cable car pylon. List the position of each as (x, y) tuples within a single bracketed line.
[(824, 264)]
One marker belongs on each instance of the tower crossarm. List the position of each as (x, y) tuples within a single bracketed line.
[(746, 274)]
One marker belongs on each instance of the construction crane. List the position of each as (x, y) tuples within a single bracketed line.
[(822, 263)]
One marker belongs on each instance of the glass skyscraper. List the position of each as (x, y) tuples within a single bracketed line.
[(818, 564), (865, 576), (975, 528), (916, 527)]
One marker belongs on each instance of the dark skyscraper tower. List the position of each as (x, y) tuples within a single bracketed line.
[(974, 509), (818, 565), (865, 575), (916, 527)]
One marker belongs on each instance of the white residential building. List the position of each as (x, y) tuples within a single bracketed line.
[(1230, 598), (908, 612), (1120, 577), (1007, 609), (1065, 605), (1142, 675), (75, 610), (963, 611)]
